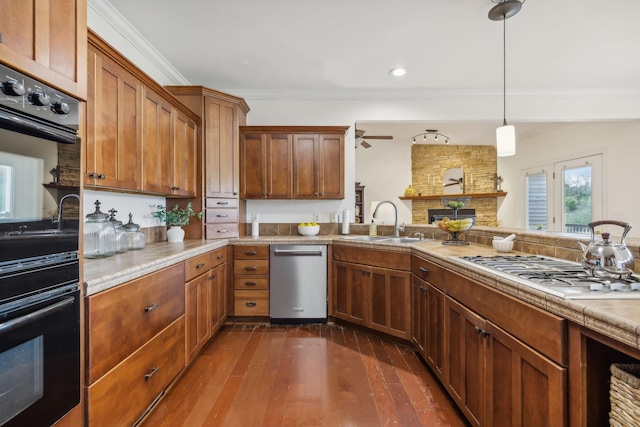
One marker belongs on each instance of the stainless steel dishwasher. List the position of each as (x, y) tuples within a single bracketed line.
[(298, 283)]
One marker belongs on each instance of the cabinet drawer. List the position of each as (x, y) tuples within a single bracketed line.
[(251, 282), (121, 396), (251, 303), (217, 257), (122, 319), (251, 266), (428, 271), (221, 231), (251, 252), (221, 215), (193, 267), (221, 203)]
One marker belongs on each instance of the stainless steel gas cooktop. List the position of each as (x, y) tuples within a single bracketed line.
[(557, 277)]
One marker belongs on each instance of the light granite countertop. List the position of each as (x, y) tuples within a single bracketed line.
[(618, 319)]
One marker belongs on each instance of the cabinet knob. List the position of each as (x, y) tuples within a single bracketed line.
[(220, 257), (199, 266), (102, 176)]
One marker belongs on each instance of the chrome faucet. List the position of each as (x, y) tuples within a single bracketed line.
[(396, 229), (59, 221)]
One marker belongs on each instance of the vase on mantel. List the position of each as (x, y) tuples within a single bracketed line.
[(175, 234)]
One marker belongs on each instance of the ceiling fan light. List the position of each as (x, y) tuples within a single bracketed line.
[(506, 140)]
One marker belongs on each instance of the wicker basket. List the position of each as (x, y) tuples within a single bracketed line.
[(624, 395)]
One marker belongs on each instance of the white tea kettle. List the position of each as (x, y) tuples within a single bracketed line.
[(605, 259)]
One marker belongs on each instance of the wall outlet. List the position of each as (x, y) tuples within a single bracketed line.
[(332, 218), (316, 217)]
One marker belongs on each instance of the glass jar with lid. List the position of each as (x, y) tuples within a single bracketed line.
[(122, 240), (99, 237), (135, 236)]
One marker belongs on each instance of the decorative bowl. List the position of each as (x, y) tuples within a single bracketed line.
[(502, 246), (308, 230)]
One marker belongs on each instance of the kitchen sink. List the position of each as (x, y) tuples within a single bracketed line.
[(386, 239)]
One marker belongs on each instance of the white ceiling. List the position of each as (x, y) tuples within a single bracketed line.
[(346, 48)]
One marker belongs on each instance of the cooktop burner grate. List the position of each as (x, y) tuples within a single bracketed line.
[(561, 278)]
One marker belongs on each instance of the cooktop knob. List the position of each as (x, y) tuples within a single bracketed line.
[(13, 88), (60, 107), (39, 98)]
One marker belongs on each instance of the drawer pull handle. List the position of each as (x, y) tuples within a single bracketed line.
[(250, 283), (222, 216), (424, 270), (251, 253), (151, 373), (220, 256), (151, 307), (251, 268), (199, 266), (223, 231), (250, 304), (423, 289), (223, 203), (481, 332)]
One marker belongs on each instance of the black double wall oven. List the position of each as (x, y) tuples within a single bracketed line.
[(39, 270)]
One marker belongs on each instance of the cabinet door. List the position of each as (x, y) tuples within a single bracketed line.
[(221, 149), (48, 39), (184, 156), (390, 307), (418, 314), (432, 307), (217, 297), (113, 132), (465, 348), (305, 167), (253, 166), (524, 388), (196, 311), (278, 168), (330, 166), (350, 292), (157, 117)]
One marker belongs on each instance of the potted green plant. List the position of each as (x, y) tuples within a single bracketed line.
[(176, 218)]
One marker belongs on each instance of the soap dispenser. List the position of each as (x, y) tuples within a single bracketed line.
[(373, 229)]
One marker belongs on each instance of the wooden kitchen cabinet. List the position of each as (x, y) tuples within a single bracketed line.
[(113, 125), (139, 137), (221, 115), (184, 181), (318, 166), (373, 288), (266, 165), (135, 345), (157, 141), (299, 162), (251, 280), (47, 39)]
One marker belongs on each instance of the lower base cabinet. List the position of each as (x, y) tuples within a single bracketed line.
[(122, 396)]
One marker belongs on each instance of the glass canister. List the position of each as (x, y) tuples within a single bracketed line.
[(122, 240), (135, 236), (99, 235)]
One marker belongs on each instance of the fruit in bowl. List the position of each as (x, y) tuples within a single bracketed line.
[(308, 228), (455, 225)]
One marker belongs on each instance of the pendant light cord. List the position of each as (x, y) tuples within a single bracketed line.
[(504, 71)]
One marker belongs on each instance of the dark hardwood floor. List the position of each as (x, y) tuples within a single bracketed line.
[(311, 375)]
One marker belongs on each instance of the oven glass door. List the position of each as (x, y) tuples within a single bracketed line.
[(40, 360)]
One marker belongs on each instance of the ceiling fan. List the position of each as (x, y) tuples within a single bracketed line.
[(363, 139)]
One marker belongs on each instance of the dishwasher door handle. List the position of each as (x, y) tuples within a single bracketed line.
[(288, 252)]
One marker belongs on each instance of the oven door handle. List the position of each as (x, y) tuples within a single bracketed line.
[(31, 317)]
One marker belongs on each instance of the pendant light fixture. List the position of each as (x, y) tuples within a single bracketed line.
[(505, 134)]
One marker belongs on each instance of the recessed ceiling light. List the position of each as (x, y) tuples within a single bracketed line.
[(398, 72)]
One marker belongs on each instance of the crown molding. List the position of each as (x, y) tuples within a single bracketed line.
[(105, 10)]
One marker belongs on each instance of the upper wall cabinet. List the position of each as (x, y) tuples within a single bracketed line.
[(315, 169), (221, 115), (139, 137), (47, 39)]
